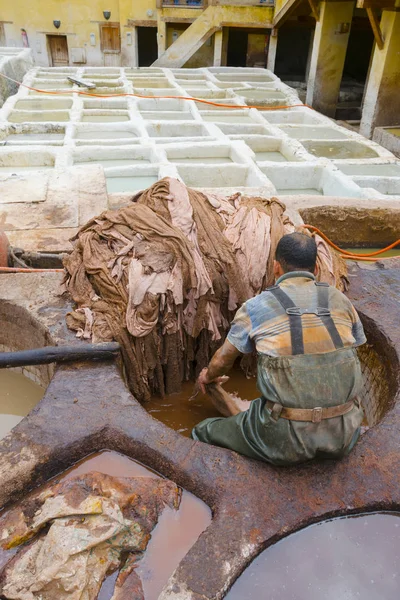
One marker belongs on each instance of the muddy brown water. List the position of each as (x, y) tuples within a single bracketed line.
[(342, 559), (171, 539), (18, 395), (182, 413)]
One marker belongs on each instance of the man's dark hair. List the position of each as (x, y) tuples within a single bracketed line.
[(296, 252)]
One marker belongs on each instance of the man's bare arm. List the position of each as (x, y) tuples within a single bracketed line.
[(220, 364), (223, 360)]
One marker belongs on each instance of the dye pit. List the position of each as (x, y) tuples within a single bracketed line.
[(270, 155), (300, 191), (18, 395), (394, 131), (182, 411), (387, 254), (342, 559), (171, 539), (128, 184)]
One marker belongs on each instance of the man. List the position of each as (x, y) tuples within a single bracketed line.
[(305, 334)]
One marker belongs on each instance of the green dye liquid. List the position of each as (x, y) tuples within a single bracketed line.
[(394, 131), (387, 254)]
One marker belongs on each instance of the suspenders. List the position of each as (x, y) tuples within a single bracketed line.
[(326, 318), (294, 312), (296, 328)]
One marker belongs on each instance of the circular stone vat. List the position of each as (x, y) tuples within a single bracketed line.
[(182, 411), (172, 537), (21, 388), (19, 393), (341, 559)]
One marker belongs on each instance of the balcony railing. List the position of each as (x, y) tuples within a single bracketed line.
[(185, 3), (268, 3), (205, 3)]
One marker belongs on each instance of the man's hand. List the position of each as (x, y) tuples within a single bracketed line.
[(203, 380), (221, 363)]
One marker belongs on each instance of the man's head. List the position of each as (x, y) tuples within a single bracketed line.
[(295, 252)]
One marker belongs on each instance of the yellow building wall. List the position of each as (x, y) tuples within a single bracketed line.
[(279, 4), (78, 19), (137, 10), (204, 57), (81, 18)]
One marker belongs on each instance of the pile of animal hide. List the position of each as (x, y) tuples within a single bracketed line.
[(164, 276), (82, 529)]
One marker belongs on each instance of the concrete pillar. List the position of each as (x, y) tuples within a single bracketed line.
[(135, 47), (273, 45), (218, 37), (161, 36), (310, 48), (225, 40), (328, 55), (382, 97)]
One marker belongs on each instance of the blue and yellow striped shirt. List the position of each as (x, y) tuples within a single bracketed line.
[(263, 324)]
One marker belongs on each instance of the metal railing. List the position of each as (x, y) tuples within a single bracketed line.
[(185, 3), (205, 3), (268, 3)]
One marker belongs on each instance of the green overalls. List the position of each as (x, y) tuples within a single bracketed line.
[(296, 381)]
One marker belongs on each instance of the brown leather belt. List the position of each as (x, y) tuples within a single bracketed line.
[(312, 415)]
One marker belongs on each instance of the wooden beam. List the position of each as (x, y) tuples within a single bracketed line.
[(141, 23), (375, 4), (263, 26), (376, 28), (177, 20), (285, 12), (314, 9)]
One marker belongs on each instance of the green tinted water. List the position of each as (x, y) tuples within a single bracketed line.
[(388, 254), (205, 160), (114, 162), (270, 155), (117, 185), (297, 191), (104, 134), (104, 118)]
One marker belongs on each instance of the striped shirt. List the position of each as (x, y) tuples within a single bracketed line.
[(263, 324)]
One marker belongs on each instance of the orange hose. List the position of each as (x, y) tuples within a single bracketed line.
[(349, 255), (21, 270), (202, 100)]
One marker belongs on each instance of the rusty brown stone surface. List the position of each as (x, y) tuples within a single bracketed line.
[(88, 408), (373, 226)]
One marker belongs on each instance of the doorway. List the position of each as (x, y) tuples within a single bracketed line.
[(237, 47), (247, 47), (292, 53), (110, 38), (58, 50), (147, 45), (110, 43)]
